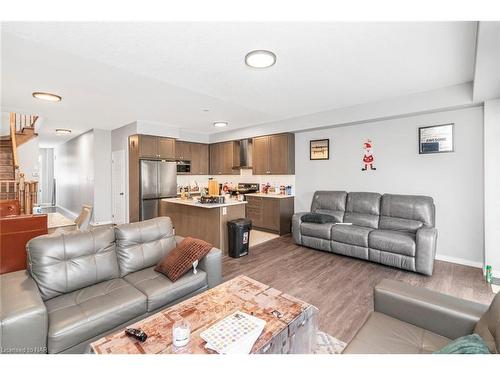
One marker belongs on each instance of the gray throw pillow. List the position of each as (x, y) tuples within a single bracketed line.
[(318, 218)]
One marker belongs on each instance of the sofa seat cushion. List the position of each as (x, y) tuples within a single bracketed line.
[(160, 291), (382, 334), (351, 234), (392, 242), (88, 312), (317, 230)]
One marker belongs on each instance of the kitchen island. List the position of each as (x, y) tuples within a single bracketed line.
[(207, 222)]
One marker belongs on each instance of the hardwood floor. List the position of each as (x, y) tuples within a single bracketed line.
[(342, 287)]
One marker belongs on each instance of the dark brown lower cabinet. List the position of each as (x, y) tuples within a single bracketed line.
[(271, 214)]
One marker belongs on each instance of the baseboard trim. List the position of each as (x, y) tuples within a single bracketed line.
[(461, 261), (72, 215), (96, 224)]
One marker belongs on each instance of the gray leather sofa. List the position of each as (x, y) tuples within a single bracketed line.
[(411, 320), (395, 230), (80, 286)]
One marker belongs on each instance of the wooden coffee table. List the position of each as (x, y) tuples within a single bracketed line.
[(291, 324)]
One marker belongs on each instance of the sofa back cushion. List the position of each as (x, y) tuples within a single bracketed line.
[(72, 260), (488, 326), (143, 244), (363, 209), (406, 213), (330, 203)]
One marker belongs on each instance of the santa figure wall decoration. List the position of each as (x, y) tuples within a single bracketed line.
[(368, 159)]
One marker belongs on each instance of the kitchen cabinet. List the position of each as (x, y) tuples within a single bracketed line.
[(274, 154), (156, 147), (196, 153), (166, 148), (147, 146), (224, 156), (199, 158), (270, 213), (182, 150)]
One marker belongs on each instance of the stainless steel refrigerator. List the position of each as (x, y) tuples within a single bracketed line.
[(158, 180)]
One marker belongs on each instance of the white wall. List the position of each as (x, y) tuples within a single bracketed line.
[(492, 184), (5, 124), (454, 180), (102, 177), (74, 171), (46, 175), (453, 97), (27, 155), (119, 141), (82, 168)]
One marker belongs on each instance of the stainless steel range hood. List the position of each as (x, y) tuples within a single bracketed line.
[(246, 148)]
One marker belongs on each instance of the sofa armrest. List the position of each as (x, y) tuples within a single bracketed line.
[(23, 316), (296, 220), (436, 312), (211, 264), (426, 239)]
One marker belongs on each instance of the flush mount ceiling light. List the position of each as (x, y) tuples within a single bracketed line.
[(63, 131), (260, 59), (47, 96), (220, 124)]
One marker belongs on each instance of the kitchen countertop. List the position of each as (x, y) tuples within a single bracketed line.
[(195, 203), (262, 195)]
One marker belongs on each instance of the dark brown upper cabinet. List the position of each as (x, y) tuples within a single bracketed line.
[(154, 147), (274, 154), (196, 153), (224, 158)]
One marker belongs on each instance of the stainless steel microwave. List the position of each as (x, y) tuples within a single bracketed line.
[(183, 166)]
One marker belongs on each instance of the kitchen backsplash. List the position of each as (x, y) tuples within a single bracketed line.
[(244, 176)]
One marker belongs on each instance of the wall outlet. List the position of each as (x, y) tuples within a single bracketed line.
[(224, 210)]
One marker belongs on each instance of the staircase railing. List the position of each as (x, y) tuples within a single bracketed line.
[(13, 132), (18, 123), (26, 192)]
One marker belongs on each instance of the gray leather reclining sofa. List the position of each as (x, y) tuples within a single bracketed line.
[(395, 230), (411, 320), (80, 286)]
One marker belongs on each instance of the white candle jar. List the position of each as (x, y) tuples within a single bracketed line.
[(180, 333)]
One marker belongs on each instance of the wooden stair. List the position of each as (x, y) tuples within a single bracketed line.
[(12, 181), (7, 169)]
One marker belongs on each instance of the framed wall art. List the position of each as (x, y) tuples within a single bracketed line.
[(319, 149), (436, 139)]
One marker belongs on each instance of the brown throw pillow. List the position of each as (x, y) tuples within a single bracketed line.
[(177, 262)]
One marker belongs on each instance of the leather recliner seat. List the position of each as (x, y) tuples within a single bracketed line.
[(395, 230), (412, 320), (81, 286)]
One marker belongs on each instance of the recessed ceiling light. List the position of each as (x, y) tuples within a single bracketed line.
[(63, 131), (220, 124), (260, 59), (47, 96)]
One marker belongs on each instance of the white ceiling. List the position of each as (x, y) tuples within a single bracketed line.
[(111, 74)]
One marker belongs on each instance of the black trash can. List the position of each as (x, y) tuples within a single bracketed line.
[(238, 237)]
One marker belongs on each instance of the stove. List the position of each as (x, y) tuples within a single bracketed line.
[(245, 188)]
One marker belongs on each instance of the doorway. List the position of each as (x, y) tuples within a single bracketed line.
[(119, 187)]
